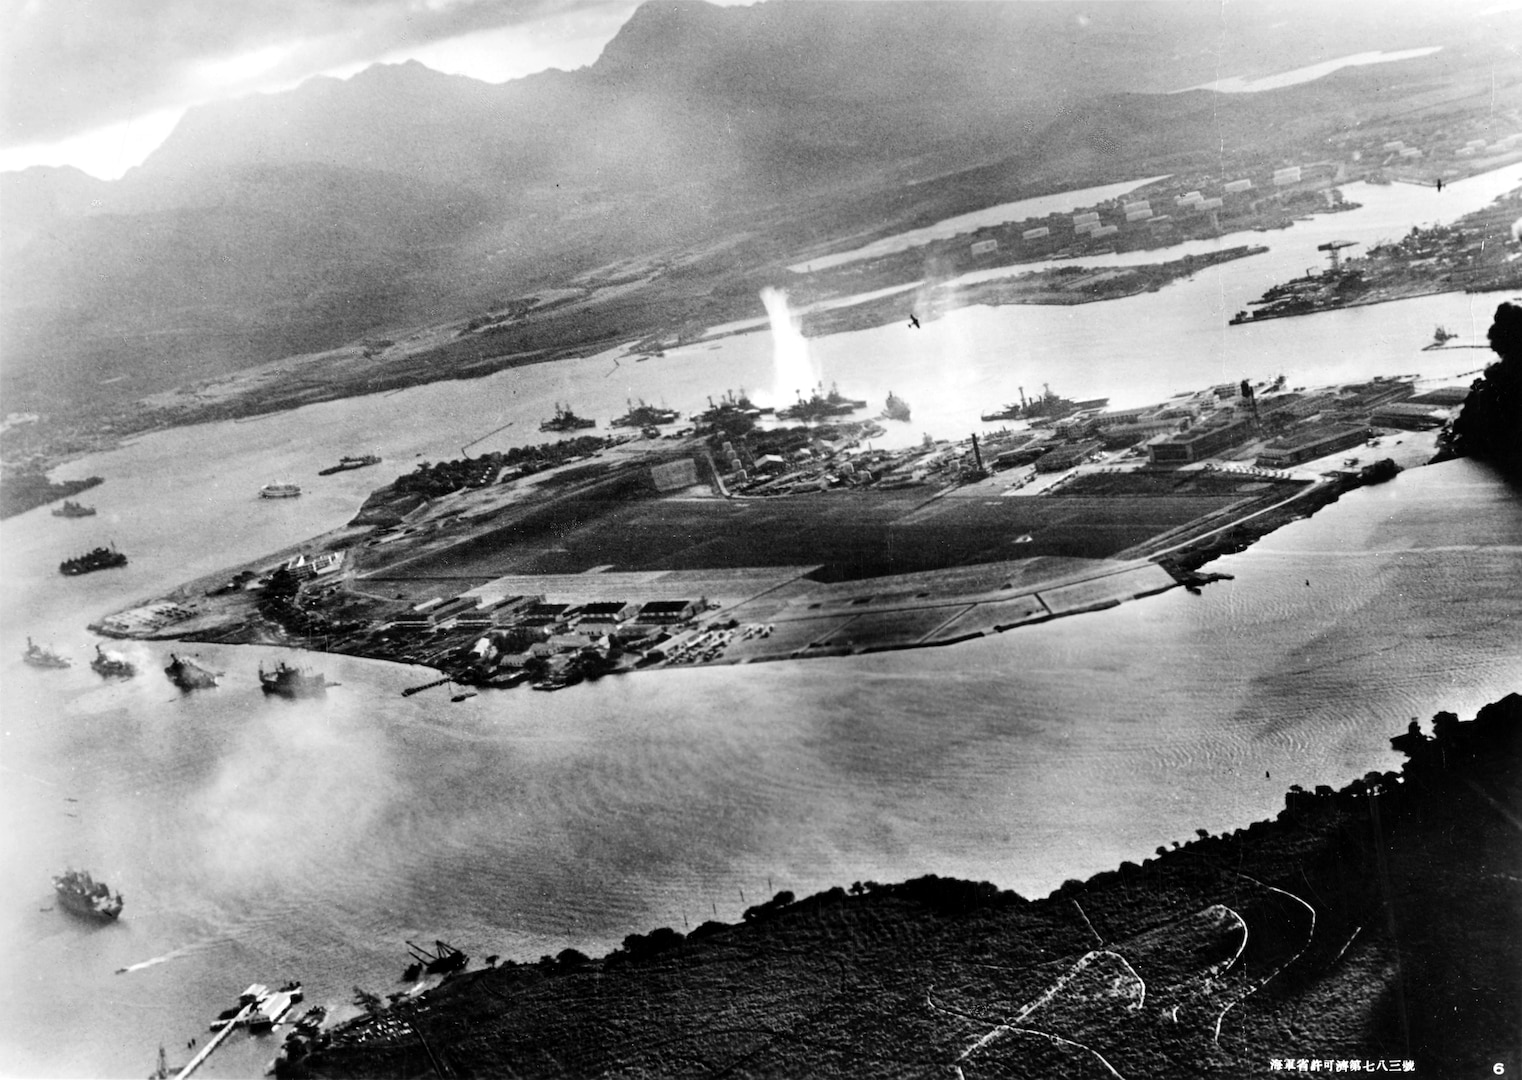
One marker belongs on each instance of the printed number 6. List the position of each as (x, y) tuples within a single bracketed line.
[(1498, 1068)]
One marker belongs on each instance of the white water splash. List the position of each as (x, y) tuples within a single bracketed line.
[(794, 371)]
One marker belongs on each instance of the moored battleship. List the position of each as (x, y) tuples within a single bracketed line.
[(37, 656), (643, 415), (189, 675), (565, 420), (1048, 406), (71, 509), (821, 406), (102, 558), (292, 682), (111, 665), (347, 462), (81, 894)]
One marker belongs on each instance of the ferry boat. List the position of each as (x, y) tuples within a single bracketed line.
[(279, 491), (292, 682), (71, 509), (37, 656), (80, 894)]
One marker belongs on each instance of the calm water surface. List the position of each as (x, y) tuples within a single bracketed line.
[(258, 839)]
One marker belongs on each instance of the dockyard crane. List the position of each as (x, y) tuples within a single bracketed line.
[(1332, 247)]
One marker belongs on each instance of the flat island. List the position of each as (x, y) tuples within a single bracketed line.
[(744, 537)]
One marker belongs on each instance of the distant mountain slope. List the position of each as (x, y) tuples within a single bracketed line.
[(304, 218)]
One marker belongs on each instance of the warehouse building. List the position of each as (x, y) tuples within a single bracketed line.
[(1199, 443), (1409, 416), (1310, 444)]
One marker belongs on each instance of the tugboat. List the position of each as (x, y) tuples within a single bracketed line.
[(279, 491), (291, 682), (643, 416), (111, 666), (898, 408), (74, 509), (102, 558), (346, 463), (80, 894), (189, 675), (566, 420), (37, 656)]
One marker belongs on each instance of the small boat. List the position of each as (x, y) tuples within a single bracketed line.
[(292, 682), (37, 656), (464, 695), (80, 894), (189, 675), (73, 509), (111, 665), (279, 491), (102, 558)]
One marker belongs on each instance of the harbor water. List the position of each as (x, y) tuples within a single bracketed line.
[(259, 840)]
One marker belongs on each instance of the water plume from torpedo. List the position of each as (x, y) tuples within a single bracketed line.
[(793, 368)]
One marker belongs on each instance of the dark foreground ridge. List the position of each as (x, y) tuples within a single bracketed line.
[(1380, 924), (1490, 427)]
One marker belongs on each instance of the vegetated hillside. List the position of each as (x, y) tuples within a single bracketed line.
[(437, 193), (1490, 425), (1379, 923), (286, 259)]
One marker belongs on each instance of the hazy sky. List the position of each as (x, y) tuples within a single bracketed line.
[(100, 83)]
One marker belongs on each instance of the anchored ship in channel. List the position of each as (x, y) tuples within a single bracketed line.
[(102, 558), (80, 894), (111, 665), (37, 656), (292, 682), (189, 675)]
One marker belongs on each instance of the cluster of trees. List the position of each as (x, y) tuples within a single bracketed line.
[(445, 477)]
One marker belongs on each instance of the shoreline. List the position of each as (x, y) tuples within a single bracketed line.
[(1033, 593), (1308, 933)]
